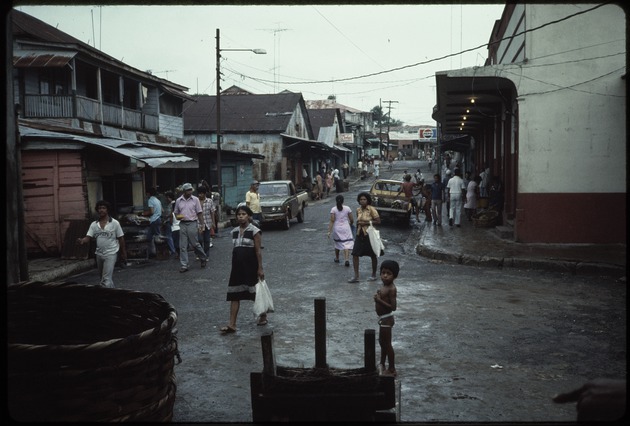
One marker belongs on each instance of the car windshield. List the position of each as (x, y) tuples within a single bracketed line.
[(279, 189), (387, 186)]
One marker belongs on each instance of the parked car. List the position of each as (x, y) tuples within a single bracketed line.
[(280, 202), (390, 201)]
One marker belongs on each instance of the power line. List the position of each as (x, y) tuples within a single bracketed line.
[(445, 56)]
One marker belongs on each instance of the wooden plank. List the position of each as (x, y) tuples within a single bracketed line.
[(269, 356), (369, 343)]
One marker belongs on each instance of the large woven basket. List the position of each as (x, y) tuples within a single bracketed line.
[(89, 353)]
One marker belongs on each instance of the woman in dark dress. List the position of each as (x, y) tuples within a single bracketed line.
[(362, 247), (247, 267)]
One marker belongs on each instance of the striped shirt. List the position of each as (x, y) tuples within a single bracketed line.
[(208, 212)]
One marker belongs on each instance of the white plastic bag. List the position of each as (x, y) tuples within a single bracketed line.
[(375, 240), (263, 303)]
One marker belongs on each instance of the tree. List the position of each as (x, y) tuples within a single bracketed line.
[(378, 116)]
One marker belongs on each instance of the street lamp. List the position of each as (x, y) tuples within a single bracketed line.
[(219, 50)]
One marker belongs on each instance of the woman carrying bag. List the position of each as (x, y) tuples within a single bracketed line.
[(366, 216), (247, 268)]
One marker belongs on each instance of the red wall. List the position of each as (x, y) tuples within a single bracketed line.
[(571, 218)]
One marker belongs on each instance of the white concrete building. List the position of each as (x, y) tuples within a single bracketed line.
[(549, 119)]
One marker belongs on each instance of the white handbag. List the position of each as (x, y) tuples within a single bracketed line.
[(263, 302), (375, 240)]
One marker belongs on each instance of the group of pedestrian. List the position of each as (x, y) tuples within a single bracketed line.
[(194, 215), (462, 194), (345, 238)]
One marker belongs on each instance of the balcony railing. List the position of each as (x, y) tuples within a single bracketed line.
[(61, 106)]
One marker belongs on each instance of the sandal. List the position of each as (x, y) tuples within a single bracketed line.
[(264, 322), (353, 280), (336, 260), (372, 279), (227, 330)]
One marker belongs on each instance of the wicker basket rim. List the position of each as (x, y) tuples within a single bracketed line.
[(168, 323)]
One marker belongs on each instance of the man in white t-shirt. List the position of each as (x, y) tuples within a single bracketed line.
[(456, 191), (109, 242), (252, 200)]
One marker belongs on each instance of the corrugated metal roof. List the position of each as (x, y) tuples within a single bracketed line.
[(326, 135), (155, 158), (242, 113), (41, 58)]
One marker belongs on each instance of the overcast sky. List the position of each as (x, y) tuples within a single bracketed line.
[(317, 50)]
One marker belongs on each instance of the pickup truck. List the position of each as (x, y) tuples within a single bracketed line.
[(280, 202), (389, 202)]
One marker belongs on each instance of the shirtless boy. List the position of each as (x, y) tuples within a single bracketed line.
[(385, 301)]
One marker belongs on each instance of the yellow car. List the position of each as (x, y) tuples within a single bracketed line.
[(390, 202)]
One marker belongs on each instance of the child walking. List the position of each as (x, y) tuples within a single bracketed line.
[(385, 300)]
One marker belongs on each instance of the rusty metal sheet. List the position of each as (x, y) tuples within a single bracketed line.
[(41, 59)]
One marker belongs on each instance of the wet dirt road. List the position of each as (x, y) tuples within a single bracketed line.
[(472, 344)]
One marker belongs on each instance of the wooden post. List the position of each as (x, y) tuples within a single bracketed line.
[(269, 356), (320, 332), (369, 337)]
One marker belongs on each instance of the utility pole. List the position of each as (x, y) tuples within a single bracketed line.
[(389, 119), (380, 131)]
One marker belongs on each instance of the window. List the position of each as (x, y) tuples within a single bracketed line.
[(53, 81)]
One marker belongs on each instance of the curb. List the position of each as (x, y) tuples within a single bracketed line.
[(573, 267), (63, 272)]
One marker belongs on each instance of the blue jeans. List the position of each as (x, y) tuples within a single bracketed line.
[(204, 240), (168, 233), (154, 229)]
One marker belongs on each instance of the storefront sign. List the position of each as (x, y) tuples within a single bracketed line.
[(427, 134)]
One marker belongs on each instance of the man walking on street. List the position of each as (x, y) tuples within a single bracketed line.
[(437, 195), (209, 219), (456, 191), (188, 210), (110, 242), (252, 200), (447, 176), (155, 221)]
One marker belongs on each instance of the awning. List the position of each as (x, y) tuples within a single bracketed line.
[(177, 93), (41, 58), (297, 143), (458, 144), (341, 148), (156, 158)]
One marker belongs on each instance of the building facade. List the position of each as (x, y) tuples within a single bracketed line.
[(547, 115)]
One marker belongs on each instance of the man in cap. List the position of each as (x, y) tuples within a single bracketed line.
[(252, 200), (191, 222)]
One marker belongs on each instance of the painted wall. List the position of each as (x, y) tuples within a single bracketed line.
[(53, 195), (572, 104)]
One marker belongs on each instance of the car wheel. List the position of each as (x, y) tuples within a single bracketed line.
[(286, 223), (300, 215)]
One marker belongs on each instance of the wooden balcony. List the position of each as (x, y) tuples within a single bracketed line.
[(67, 106)]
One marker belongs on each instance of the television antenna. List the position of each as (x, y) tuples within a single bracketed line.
[(160, 72), (276, 57)]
